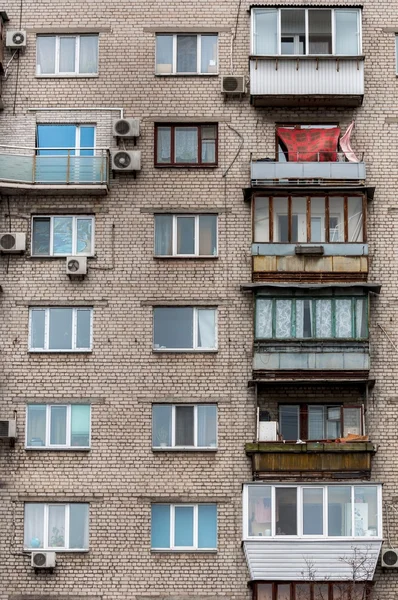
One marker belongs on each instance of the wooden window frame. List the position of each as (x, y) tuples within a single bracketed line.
[(331, 586), (303, 418), (172, 163)]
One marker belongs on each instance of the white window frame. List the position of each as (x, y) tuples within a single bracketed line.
[(75, 218), (76, 72), (196, 234), (300, 511), (68, 427), (47, 329), (195, 347), (195, 426), (198, 53), (195, 547), (77, 147), (66, 532), (306, 8)]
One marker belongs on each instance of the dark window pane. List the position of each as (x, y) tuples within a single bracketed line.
[(38, 320), (161, 425), (41, 236), (173, 328), (286, 511), (312, 511), (58, 425), (320, 31), (36, 435), (60, 329), (208, 235), (164, 54), (163, 235), (187, 61), (289, 423), (185, 235), (83, 326), (184, 425), (293, 31)]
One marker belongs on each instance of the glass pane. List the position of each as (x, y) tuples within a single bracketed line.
[(163, 144), (87, 140), (185, 235), (316, 423), (56, 136), (45, 48), (164, 54), (60, 329), (299, 220), (84, 236), (41, 236), (286, 511), (312, 511), (34, 526), (304, 318), (83, 326), (208, 151), (339, 510), (352, 419), (36, 434), (264, 591), (208, 235), (207, 426), (321, 591), (209, 54), (67, 53), (78, 526), (186, 144), (320, 31), (160, 526), (173, 328), (365, 511), (289, 421), (88, 60), (323, 318), (283, 591), (336, 219), (303, 591), (263, 318), (163, 235), (343, 318), (261, 220), (333, 422), (62, 235), (56, 526), (80, 425), (265, 31), (161, 425), (317, 219), (58, 425), (206, 328), (184, 425), (361, 317), (347, 32), (187, 54), (283, 319), (207, 526), (355, 226), (259, 514), (293, 31), (37, 335), (281, 230), (183, 526)]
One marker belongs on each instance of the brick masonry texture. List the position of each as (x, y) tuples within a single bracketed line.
[(121, 475)]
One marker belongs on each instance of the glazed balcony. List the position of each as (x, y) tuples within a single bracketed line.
[(53, 171)]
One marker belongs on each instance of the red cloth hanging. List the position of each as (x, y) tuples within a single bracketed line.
[(310, 145)]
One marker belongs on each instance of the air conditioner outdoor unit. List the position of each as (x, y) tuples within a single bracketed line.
[(126, 128), (389, 558), (16, 39), (8, 428), (43, 560), (12, 242), (232, 84), (76, 265), (268, 431), (126, 160)]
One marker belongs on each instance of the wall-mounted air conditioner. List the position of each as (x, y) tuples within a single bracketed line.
[(126, 160), (126, 128), (43, 560), (76, 266), (389, 558), (8, 428), (233, 84), (12, 242), (16, 39)]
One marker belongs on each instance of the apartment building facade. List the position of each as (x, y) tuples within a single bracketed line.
[(198, 332)]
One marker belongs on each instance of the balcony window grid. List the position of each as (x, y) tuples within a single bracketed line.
[(172, 240), (39, 535), (194, 430), (50, 56), (69, 241), (306, 590), (206, 50), (41, 329), (328, 421), (67, 429)]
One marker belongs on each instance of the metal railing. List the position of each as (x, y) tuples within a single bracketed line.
[(311, 156), (52, 166)]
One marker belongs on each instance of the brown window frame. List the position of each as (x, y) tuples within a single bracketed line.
[(172, 163), (331, 586)]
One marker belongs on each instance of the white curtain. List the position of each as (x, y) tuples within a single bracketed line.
[(45, 54), (56, 526), (88, 54), (34, 525), (206, 328), (164, 144), (207, 426), (186, 145)]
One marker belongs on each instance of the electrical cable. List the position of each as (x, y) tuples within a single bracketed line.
[(233, 37), (239, 149)]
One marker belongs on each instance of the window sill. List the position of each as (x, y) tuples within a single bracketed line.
[(57, 550), (62, 256), (40, 351), (193, 551), (49, 449), (186, 74), (187, 166), (184, 351), (186, 257), (68, 76), (183, 449)]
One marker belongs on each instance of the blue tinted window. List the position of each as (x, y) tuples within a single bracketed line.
[(56, 136), (87, 140), (207, 526), (160, 526)]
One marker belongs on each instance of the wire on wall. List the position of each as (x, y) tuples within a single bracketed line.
[(233, 37)]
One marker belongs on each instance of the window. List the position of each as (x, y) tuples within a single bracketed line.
[(315, 219), (58, 426), (184, 426), (186, 235), (315, 590), (396, 54), (319, 422), (73, 140), (60, 329), (56, 526), (314, 510), (62, 236), (184, 527), (310, 318), (186, 145), (185, 328), (67, 55), (306, 31), (193, 54)]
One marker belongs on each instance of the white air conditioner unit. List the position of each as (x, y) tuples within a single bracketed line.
[(76, 266), (389, 558), (16, 39), (268, 431), (12, 242), (8, 428), (232, 84), (126, 128), (43, 560), (126, 160)]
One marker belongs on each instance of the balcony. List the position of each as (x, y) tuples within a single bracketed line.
[(62, 172), (307, 81)]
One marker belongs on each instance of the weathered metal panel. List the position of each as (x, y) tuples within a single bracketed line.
[(267, 171), (343, 250), (325, 360), (291, 560)]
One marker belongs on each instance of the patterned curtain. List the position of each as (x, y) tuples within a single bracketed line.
[(283, 318), (343, 318), (323, 318), (263, 318)]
